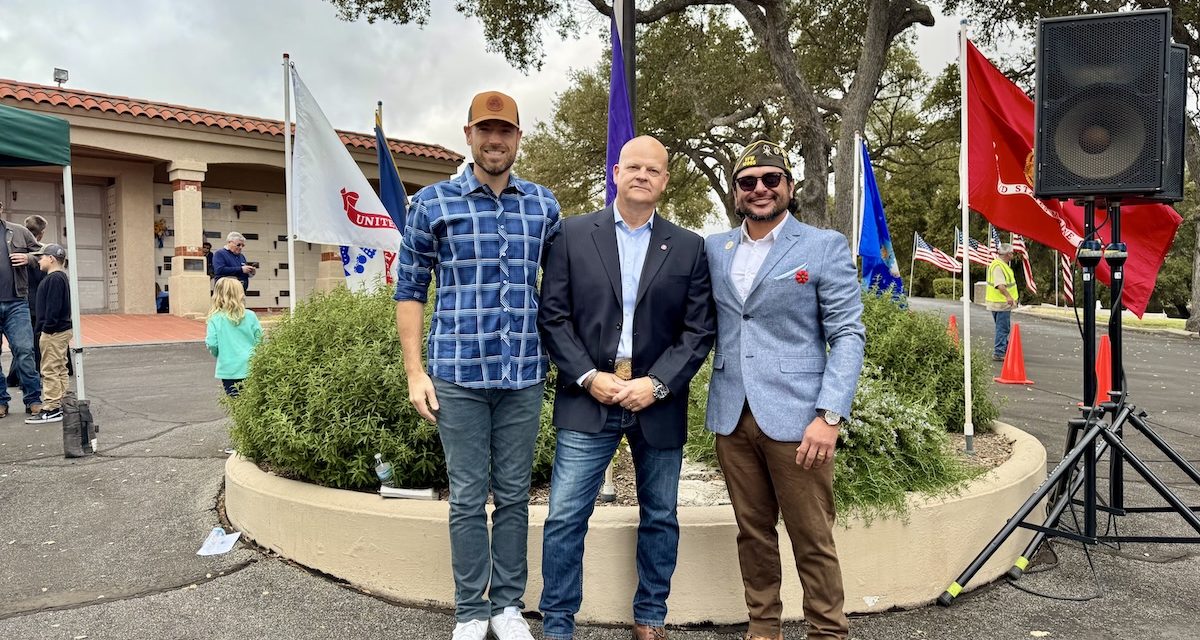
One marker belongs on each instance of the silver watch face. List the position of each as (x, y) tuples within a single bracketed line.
[(832, 418)]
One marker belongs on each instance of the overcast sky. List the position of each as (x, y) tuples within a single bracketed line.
[(225, 55)]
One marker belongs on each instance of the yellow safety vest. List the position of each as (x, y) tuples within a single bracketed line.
[(1010, 281)]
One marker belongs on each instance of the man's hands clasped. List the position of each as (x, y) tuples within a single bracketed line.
[(632, 395)]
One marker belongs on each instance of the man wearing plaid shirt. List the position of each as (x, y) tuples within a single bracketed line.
[(482, 233)]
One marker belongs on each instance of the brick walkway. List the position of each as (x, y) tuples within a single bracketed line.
[(116, 329)]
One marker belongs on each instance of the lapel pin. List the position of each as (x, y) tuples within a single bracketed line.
[(663, 247), (729, 245)]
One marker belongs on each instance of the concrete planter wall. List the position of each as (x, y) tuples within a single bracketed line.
[(400, 548)]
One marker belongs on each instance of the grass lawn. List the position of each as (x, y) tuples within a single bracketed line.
[(1154, 321)]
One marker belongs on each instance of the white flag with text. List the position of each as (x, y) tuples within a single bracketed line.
[(332, 201)]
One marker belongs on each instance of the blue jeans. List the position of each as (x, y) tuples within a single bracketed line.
[(17, 328), (579, 464), (231, 386), (1003, 324), (488, 437)]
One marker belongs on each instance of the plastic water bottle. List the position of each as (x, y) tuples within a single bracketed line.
[(384, 471)]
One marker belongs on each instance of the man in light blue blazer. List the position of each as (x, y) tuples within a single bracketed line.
[(789, 352)]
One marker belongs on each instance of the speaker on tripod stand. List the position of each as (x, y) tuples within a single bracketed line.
[(1101, 105), (1109, 127)]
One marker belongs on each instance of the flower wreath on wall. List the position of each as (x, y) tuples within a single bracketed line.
[(160, 231)]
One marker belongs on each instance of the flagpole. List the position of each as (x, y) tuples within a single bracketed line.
[(287, 179), (859, 193), (1057, 268), (963, 194), (912, 263)]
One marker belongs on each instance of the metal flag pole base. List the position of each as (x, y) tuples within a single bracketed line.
[(1077, 470)]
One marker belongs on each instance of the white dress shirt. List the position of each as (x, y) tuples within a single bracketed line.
[(749, 256)]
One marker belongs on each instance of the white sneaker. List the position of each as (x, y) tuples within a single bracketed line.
[(473, 630), (509, 625)]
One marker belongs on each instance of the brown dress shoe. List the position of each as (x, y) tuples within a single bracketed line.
[(34, 408), (3, 410), (644, 632)]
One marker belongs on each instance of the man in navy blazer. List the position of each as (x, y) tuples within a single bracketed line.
[(789, 351), (626, 315)]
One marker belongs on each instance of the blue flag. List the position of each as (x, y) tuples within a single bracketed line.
[(620, 116), (391, 189), (879, 268), (363, 266)]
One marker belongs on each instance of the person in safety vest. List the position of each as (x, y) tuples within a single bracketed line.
[(1001, 297)]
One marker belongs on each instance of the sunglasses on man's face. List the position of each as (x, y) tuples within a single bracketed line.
[(239, 244), (770, 181)]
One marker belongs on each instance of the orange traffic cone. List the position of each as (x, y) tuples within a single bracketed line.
[(1103, 371), (1013, 371), (952, 329)]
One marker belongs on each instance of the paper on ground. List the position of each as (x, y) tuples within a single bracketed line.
[(412, 494), (218, 542)]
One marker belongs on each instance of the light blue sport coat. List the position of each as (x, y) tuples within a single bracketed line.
[(791, 348)]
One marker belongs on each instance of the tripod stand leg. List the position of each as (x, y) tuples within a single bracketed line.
[(1178, 505), (1065, 466), (1162, 445), (1052, 517)]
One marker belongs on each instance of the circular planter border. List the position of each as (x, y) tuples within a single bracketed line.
[(400, 548)]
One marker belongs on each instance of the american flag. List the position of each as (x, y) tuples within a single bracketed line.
[(1068, 277), (979, 254), (1018, 245), (924, 252), (994, 239)]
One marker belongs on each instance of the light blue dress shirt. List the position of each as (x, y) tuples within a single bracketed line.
[(632, 245)]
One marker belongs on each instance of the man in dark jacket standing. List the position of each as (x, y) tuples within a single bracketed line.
[(228, 261), (627, 316), (14, 313)]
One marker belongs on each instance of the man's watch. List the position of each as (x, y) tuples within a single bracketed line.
[(660, 389), (831, 418)]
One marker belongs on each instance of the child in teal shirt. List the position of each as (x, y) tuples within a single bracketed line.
[(233, 332)]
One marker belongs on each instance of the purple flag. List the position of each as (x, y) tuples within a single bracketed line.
[(620, 117)]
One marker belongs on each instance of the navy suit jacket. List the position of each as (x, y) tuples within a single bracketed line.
[(580, 320)]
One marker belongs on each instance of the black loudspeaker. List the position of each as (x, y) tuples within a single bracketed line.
[(1176, 129), (1101, 103)]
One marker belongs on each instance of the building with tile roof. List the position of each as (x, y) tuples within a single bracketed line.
[(153, 181)]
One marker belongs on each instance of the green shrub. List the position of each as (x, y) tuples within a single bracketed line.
[(327, 390), (922, 365), (890, 447), (947, 288)]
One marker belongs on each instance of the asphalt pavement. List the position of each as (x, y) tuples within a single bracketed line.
[(105, 547)]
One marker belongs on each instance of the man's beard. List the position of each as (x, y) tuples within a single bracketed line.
[(761, 218), (504, 166)]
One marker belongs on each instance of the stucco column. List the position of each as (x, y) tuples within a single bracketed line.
[(330, 272), (189, 279)]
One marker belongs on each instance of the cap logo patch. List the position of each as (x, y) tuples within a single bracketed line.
[(494, 103)]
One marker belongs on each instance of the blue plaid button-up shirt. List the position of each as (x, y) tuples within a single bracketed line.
[(485, 250)]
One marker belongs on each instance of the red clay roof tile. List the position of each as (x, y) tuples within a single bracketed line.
[(133, 107)]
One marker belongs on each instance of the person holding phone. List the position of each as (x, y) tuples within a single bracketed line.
[(229, 262)]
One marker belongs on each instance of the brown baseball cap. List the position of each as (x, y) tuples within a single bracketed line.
[(493, 105)]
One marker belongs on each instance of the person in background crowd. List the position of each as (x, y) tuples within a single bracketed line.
[(233, 331), (14, 313), (229, 262), (53, 313)]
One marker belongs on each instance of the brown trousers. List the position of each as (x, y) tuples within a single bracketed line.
[(764, 480), (54, 348)]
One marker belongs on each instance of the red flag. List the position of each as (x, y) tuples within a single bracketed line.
[(1000, 129)]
